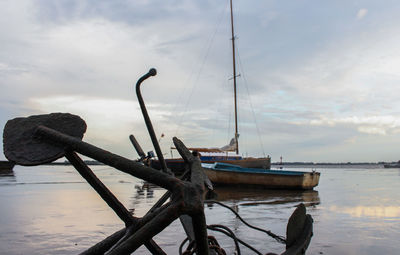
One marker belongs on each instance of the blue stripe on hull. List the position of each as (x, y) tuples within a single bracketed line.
[(212, 158), (234, 168)]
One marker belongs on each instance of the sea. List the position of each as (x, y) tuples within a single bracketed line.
[(51, 210)]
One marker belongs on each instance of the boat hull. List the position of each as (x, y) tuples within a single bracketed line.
[(262, 163), (178, 165), (274, 179)]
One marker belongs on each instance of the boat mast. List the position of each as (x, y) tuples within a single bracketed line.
[(234, 81)]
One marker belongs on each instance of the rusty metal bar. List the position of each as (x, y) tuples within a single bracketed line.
[(123, 164), (137, 147), (187, 198), (196, 203), (106, 244), (108, 197), (164, 217), (150, 244), (152, 72), (152, 228), (167, 194), (110, 241), (200, 232)]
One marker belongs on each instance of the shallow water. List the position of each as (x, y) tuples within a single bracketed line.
[(52, 210)]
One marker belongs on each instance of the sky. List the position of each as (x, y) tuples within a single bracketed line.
[(318, 80)]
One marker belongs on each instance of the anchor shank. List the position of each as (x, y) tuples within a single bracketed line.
[(123, 164)]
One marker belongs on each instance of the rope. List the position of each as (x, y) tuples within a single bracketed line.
[(191, 249), (239, 240), (216, 227), (213, 244), (280, 239), (251, 104)]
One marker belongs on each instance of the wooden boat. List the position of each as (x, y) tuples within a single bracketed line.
[(206, 154), (227, 174), (177, 165)]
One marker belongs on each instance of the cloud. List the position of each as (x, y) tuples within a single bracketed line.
[(372, 130), (361, 13), (110, 121), (83, 58), (354, 76), (377, 125)]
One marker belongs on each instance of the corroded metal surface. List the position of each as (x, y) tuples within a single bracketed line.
[(298, 232), (186, 197), (19, 147), (147, 120), (295, 224)]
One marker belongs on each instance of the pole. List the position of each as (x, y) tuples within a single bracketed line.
[(234, 81)]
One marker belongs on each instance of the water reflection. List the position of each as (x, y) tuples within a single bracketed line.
[(368, 211), (143, 198), (7, 176), (248, 197), (52, 210), (145, 189)]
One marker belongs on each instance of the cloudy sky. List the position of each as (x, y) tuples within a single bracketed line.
[(319, 80)]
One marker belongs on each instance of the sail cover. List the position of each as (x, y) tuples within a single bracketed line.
[(231, 146)]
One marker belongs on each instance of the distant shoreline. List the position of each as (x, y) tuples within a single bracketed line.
[(94, 162), (325, 163)]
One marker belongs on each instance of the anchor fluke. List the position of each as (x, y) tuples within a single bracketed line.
[(22, 146)]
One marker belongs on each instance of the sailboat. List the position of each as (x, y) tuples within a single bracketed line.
[(213, 155), (229, 153), (249, 173), (223, 168)]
